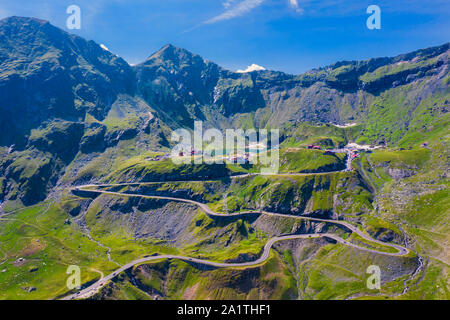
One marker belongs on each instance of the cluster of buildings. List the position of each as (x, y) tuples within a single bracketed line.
[(191, 153), (159, 158), (236, 158), (327, 152)]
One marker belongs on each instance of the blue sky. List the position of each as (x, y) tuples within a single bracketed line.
[(288, 35)]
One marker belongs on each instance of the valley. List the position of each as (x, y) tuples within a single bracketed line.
[(87, 177)]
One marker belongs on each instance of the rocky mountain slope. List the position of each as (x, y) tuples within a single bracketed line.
[(72, 113), (47, 74), (82, 100)]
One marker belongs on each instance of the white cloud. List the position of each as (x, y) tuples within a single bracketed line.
[(228, 3), (294, 4), (253, 67), (236, 11), (104, 47)]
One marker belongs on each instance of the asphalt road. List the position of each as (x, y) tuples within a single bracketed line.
[(87, 292), (205, 208)]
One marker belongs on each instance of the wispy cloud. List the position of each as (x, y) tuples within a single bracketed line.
[(294, 4), (326, 8), (234, 10), (228, 3), (237, 10)]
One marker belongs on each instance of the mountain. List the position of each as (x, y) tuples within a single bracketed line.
[(78, 98), (73, 114), (46, 74), (193, 88), (190, 87), (66, 77)]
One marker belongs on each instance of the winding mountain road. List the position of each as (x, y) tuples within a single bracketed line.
[(89, 291)]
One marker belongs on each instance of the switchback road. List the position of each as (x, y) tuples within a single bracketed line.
[(89, 291)]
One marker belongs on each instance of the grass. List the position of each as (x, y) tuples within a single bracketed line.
[(398, 119), (303, 160), (339, 272), (336, 272), (48, 246), (144, 170), (116, 123), (357, 239), (327, 136), (415, 158), (375, 224), (396, 68), (179, 280)]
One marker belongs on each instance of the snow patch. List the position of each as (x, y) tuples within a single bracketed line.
[(104, 47), (347, 125), (253, 67)]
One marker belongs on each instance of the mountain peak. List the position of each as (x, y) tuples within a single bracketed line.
[(170, 52), (25, 33), (174, 56), (14, 20), (168, 46)]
